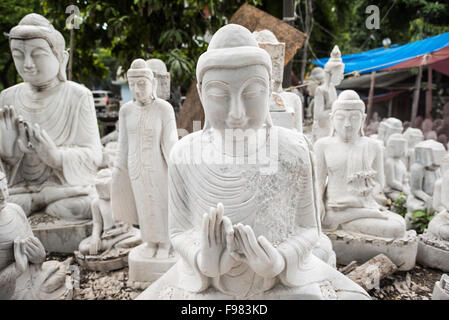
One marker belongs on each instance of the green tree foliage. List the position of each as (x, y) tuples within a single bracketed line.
[(172, 31)]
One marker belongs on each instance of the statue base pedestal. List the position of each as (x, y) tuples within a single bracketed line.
[(439, 293), (144, 271), (433, 253), (59, 236), (115, 259), (357, 247)]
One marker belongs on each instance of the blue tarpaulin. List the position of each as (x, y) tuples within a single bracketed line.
[(382, 58)]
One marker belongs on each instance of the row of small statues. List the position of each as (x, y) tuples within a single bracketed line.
[(241, 209)]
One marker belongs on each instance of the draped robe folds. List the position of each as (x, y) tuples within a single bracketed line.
[(279, 205), (140, 186), (68, 117)]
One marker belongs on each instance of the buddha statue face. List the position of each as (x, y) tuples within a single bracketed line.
[(424, 156), (337, 76), (236, 98), (35, 61), (396, 146), (347, 123), (141, 88)]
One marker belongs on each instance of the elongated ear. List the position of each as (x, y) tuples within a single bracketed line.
[(62, 75), (206, 123), (154, 83)]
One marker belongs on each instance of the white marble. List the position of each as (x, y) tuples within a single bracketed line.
[(434, 243), (50, 146), (315, 80), (285, 107), (24, 273), (441, 289), (242, 213), (396, 174), (162, 78), (326, 94), (424, 173), (413, 136), (140, 179), (349, 165), (108, 246)]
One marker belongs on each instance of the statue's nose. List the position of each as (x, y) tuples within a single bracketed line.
[(29, 63), (237, 111)]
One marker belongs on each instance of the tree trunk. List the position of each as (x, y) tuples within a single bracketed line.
[(415, 103), (429, 93), (71, 52), (288, 13), (308, 30), (369, 274)]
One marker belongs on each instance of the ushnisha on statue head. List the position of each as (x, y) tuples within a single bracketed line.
[(334, 67), (142, 82), (234, 77), (348, 115), (38, 50)]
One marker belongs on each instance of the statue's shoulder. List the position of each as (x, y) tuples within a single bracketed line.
[(10, 92), (323, 143), (372, 143), (77, 88), (17, 211), (184, 146), (165, 108), (292, 143), (125, 108)]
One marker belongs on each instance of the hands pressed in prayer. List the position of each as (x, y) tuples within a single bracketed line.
[(34, 250), (9, 133), (20, 256), (214, 257), (44, 147), (259, 254)]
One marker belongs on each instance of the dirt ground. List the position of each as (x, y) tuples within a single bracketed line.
[(416, 284)]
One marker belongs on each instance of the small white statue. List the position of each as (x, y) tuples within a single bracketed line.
[(434, 243), (285, 107), (315, 80), (396, 175), (392, 126), (140, 179), (413, 136), (424, 172), (244, 222), (326, 94), (50, 146), (24, 274), (352, 165), (441, 289), (162, 78), (108, 246)]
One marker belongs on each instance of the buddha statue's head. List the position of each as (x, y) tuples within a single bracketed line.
[(4, 194), (348, 115), (315, 79), (392, 126), (413, 136), (162, 77), (396, 145), (429, 153), (382, 130), (334, 67), (142, 82), (234, 81), (38, 50)]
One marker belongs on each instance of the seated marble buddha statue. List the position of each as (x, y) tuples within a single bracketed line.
[(439, 226), (50, 147), (242, 212), (396, 175), (352, 164), (24, 273)]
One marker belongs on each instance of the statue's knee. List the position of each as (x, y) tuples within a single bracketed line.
[(72, 208)]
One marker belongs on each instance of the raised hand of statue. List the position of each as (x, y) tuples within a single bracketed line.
[(212, 242), (20, 256), (259, 254), (34, 250), (8, 132), (45, 148)]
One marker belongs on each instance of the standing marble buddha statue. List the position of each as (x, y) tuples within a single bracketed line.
[(50, 147), (396, 174), (242, 212), (434, 242), (23, 272), (352, 165), (326, 94), (139, 186), (315, 80)]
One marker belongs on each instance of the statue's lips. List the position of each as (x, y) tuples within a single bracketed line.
[(236, 124)]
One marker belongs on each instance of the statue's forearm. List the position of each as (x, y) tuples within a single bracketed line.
[(8, 274)]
